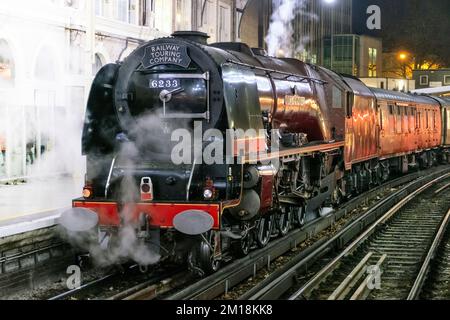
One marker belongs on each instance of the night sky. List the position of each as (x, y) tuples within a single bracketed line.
[(419, 26)]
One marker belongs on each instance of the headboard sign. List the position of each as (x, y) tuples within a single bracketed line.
[(166, 53)]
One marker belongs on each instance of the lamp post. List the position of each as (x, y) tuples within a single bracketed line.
[(405, 58)]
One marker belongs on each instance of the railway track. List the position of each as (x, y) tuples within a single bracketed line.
[(437, 283), (127, 285), (164, 285), (278, 283), (389, 260)]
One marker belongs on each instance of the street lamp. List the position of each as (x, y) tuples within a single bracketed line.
[(403, 57)]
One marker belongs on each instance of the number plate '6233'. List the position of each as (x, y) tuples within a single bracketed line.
[(164, 84)]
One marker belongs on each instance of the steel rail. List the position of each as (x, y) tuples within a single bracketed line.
[(418, 284), (83, 287), (328, 269), (219, 283), (150, 289), (89, 284), (278, 283)]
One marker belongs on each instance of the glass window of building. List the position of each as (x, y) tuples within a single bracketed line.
[(44, 69), (122, 10), (133, 10), (179, 15), (343, 54), (146, 9), (127, 11), (424, 80), (447, 80), (372, 62), (208, 12), (224, 22), (7, 67), (99, 8), (199, 12), (7, 81)]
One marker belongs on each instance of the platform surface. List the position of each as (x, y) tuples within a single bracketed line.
[(36, 204)]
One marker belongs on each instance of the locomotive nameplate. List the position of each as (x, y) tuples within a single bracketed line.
[(166, 53), (294, 100)]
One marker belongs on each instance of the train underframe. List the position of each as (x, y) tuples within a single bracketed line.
[(304, 187)]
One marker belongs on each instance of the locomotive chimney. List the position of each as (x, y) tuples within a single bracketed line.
[(195, 36)]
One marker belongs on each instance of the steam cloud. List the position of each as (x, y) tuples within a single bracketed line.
[(280, 36), (151, 137)]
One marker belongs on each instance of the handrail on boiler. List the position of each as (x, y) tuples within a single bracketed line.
[(288, 74)]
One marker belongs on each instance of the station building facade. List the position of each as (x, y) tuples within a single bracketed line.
[(431, 78), (50, 51), (357, 55)]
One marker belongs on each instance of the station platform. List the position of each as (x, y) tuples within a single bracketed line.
[(36, 204)]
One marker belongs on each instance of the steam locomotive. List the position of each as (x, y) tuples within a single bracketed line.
[(319, 137)]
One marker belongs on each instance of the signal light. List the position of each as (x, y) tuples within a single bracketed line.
[(146, 189)]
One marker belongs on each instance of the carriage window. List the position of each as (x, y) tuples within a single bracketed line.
[(391, 109), (406, 120), (426, 115), (381, 117), (337, 98), (414, 110), (411, 119), (434, 119), (418, 120), (398, 123)]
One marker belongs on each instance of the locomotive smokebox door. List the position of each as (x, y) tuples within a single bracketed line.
[(193, 222)]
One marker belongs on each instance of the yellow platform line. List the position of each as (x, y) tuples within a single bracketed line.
[(24, 215)]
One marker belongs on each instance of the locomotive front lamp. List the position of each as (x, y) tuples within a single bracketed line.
[(208, 194), (88, 192)]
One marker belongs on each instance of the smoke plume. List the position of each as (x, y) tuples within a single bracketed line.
[(280, 41)]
